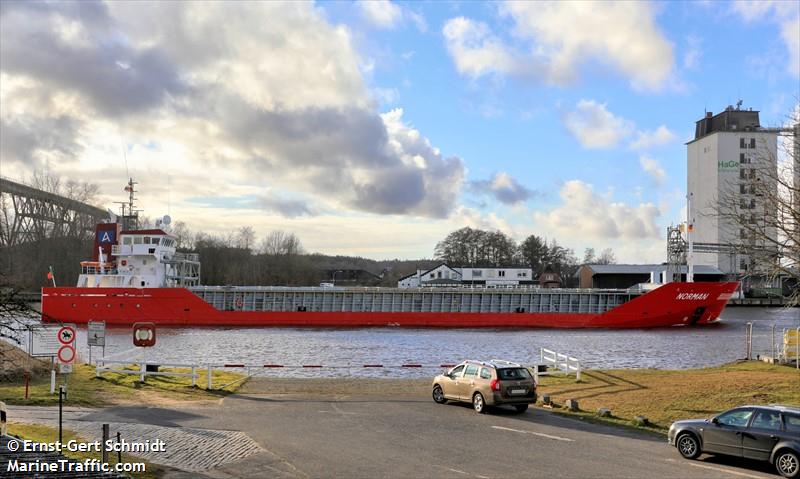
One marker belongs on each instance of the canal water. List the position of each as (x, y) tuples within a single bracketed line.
[(667, 348)]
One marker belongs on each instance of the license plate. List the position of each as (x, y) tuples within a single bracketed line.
[(518, 391)]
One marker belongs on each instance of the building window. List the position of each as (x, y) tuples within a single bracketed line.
[(742, 143), (126, 240), (742, 174), (742, 188), (743, 264), (743, 233), (752, 203), (476, 273), (752, 143), (501, 273)]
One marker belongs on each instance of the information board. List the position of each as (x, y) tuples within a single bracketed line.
[(44, 340)]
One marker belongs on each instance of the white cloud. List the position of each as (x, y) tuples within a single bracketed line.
[(596, 127), (552, 40), (475, 50), (584, 214), (504, 188), (648, 139), (381, 13), (209, 98), (385, 14), (653, 168), (786, 14), (693, 53)]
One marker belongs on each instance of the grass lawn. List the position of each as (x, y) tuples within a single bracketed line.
[(84, 389), (663, 396), (47, 434)]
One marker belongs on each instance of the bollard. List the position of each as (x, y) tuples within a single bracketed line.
[(209, 378), (119, 449), (572, 405), (105, 441), (61, 395)]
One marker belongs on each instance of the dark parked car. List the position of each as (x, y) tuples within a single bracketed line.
[(766, 433)]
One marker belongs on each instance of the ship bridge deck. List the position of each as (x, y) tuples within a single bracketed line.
[(420, 300)]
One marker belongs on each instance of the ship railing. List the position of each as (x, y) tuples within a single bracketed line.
[(98, 270), (378, 289), (561, 362)]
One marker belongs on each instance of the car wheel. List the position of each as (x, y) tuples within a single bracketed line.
[(438, 395), (521, 408), (688, 446), (478, 403), (788, 464)]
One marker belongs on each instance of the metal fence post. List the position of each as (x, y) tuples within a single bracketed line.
[(209, 378), (105, 440), (773, 343)]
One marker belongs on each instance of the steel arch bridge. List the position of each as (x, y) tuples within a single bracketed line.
[(30, 214)]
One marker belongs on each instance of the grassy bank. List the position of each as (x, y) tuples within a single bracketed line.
[(84, 389), (46, 434), (663, 396)]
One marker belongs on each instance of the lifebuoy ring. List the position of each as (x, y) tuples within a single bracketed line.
[(239, 303), (124, 262)]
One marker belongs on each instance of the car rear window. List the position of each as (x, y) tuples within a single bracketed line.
[(792, 422), (513, 374), (486, 374)]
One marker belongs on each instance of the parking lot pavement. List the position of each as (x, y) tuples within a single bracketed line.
[(310, 436), (414, 437)]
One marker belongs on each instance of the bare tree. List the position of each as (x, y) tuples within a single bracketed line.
[(279, 242), (762, 208), (245, 238)]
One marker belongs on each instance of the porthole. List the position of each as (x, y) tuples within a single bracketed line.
[(95, 305), (109, 305), (138, 305), (74, 305)]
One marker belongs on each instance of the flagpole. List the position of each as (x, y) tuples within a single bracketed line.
[(51, 276)]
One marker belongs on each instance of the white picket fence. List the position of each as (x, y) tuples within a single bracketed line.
[(562, 363)]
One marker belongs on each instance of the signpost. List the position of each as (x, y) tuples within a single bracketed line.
[(96, 336), (56, 342), (144, 336)]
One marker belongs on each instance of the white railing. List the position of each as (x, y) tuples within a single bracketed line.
[(142, 371), (561, 362)]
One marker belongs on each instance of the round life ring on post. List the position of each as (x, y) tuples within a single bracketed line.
[(239, 303)]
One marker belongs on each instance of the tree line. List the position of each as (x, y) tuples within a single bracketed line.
[(467, 247)]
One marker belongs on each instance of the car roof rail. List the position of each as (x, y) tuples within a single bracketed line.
[(503, 361)]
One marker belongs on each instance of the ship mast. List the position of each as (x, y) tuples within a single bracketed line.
[(130, 215)]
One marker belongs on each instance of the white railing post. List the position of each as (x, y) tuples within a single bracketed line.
[(578, 372), (209, 378), (52, 381), (541, 355), (773, 343), (194, 377), (142, 371)]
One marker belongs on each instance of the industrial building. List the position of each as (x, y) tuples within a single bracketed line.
[(723, 159), (623, 276)]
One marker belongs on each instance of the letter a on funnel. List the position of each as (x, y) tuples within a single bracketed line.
[(144, 335)]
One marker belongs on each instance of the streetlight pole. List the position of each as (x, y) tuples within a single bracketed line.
[(333, 280)]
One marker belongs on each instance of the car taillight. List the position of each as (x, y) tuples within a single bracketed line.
[(495, 385)]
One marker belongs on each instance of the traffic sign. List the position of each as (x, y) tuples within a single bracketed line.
[(65, 368), (66, 335), (144, 335), (66, 355), (96, 333)]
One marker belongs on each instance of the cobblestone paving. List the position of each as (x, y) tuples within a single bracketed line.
[(189, 449)]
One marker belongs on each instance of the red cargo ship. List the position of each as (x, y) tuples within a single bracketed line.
[(137, 275)]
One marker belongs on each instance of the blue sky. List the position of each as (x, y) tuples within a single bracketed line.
[(375, 128)]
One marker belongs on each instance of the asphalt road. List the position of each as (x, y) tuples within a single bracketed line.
[(412, 437)]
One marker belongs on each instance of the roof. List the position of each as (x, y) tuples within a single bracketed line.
[(649, 268), (145, 232), (439, 266)]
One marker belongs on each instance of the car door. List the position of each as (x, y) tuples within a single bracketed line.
[(724, 433), (451, 382), (468, 383), (762, 435)]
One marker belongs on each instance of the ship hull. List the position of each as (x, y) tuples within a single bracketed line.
[(673, 304)]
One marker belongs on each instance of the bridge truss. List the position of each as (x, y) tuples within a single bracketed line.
[(29, 214)]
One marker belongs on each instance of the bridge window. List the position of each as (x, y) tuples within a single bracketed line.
[(137, 240), (127, 240)]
